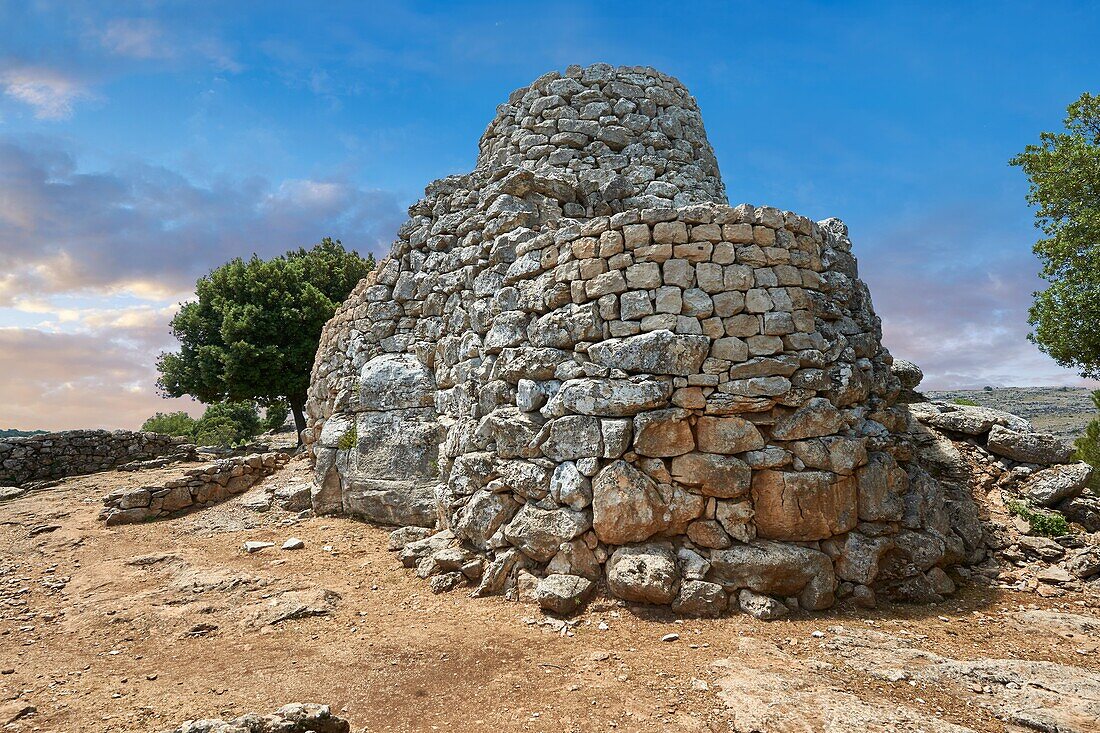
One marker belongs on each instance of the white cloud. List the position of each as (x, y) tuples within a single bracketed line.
[(50, 93), (139, 38), (150, 232), (148, 39)]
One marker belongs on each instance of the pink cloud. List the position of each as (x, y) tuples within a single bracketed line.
[(60, 381), (150, 229)]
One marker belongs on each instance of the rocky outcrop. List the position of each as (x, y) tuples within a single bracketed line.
[(294, 718), (579, 360), (51, 456), (201, 486)]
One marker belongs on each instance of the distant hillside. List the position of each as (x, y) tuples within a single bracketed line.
[(1064, 411), (13, 433)]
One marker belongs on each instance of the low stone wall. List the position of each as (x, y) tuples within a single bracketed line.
[(75, 452), (203, 485)]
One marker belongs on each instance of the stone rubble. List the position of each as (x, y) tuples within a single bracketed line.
[(206, 484), (292, 718), (1016, 467), (579, 363)]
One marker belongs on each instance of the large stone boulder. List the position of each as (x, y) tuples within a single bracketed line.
[(629, 506), (803, 506), (1041, 448), (776, 568), (539, 532), (658, 352), (1058, 483), (644, 573)]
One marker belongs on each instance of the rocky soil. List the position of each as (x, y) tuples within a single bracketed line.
[(1063, 411), (141, 627)]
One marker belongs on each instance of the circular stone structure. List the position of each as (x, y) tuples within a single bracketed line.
[(580, 367)]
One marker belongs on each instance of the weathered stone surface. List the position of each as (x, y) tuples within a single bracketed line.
[(1058, 483), (570, 487), (10, 492), (907, 373), (483, 515), (572, 437), (775, 568), (393, 503), (644, 573), (714, 475), (404, 535), (395, 445), (708, 533), (613, 397), (816, 418), (395, 381), (498, 572), (859, 557), (968, 419), (294, 497), (810, 505), (539, 532), (656, 352), (575, 558), (1039, 448), (727, 435), (564, 594), (663, 433), (701, 599), (629, 506), (524, 478), (760, 606), (882, 485), (836, 453), (293, 718), (736, 518)]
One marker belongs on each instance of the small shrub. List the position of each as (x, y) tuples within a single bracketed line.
[(1087, 447), (220, 431), (1043, 523), (224, 424), (170, 423), (965, 402), (275, 416), (349, 439)]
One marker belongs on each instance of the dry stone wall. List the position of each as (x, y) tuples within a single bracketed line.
[(74, 452), (581, 365), (200, 486)]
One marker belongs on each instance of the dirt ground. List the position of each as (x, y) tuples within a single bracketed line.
[(140, 627)]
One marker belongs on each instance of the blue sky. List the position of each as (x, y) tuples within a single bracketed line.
[(143, 143)]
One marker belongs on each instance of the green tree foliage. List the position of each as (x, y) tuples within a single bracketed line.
[(1087, 447), (254, 329), (170, 423), (1064, 172), (275, 415), (223, 423)]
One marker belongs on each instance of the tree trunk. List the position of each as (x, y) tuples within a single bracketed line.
[(297, 406)]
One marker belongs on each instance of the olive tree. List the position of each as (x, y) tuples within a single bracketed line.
[(253, 330)]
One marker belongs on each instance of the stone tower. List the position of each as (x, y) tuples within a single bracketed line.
[(580, 364)]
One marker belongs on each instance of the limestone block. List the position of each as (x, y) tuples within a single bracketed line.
[(809, 505), (663, 433), (644, 573)]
